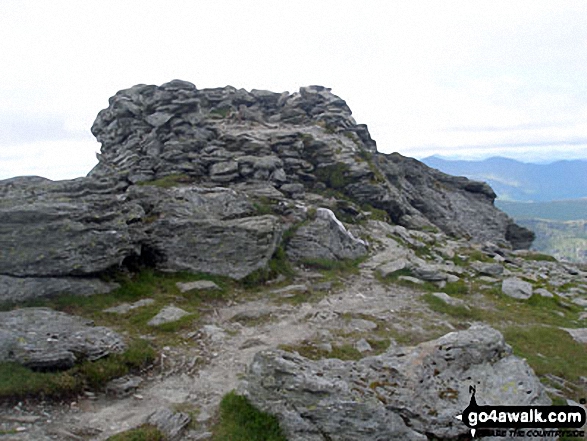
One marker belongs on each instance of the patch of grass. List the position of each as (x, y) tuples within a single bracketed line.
[(549, 350), (334, 176), (459, 312), (344, 266), (278, 265), (18, 382), (169, 181), (345, 352), (240, 421), (539, 257), (264, 205), (459, 287), (479, 255), (220, 112), (309, 349), (146, 432)]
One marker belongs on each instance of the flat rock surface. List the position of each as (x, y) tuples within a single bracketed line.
[(196, 286), (168, 314)]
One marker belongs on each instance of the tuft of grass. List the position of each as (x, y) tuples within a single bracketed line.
[(240, 421), (146, 432), (17, 381), (278, 264), (344, 266), (264, 205), (459, 312), (539, 257), (459, 287), (220, 112), (334, 176), (549, 350)]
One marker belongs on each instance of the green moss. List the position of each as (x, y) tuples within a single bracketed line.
[(334, 176), (144, 433), (220, 112), (240, 421)]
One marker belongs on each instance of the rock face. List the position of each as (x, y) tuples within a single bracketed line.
[(425, 386), (208, 180), (45, 339), (325, 238)]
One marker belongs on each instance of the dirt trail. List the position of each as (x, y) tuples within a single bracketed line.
[(197, 376)]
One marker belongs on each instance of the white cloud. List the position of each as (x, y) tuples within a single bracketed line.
[(413, 71), (54, 160)]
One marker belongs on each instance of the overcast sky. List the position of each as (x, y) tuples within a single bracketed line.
[(454, 78)]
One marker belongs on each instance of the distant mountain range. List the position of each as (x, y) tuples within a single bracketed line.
[(518, 181)]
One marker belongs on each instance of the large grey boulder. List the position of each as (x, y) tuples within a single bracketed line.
[(406, 393), (325, 238), (233, 248), (57, 229), (516, 288), (47, 339)]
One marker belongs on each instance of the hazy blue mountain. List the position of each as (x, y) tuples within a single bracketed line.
[(519, 181), (567, 210)]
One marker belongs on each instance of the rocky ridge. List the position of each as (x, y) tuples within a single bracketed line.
[(225, 182)]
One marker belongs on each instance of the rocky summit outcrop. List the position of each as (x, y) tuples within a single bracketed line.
[(408, 393), (209, 180)]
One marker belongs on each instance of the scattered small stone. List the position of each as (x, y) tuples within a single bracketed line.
[(214, 333), (449, 300), (487, 279), (167, 315), (124, 386), (252, 342), (172, 424), (362, 325), (411, 279), (580, 302), (324, 346), (363, 346), (24, 419), (123, 308), (323, 286), (488, 269), (579, 335), (543, 292), (391, 267), (451, 278), (516, 288), (196, 286), (290, 289)]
